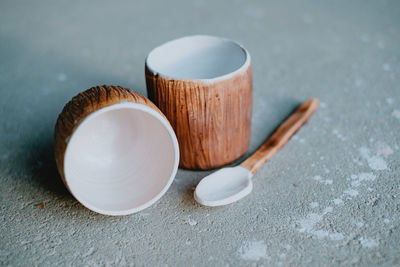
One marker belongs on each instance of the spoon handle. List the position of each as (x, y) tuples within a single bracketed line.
[(281, 136)]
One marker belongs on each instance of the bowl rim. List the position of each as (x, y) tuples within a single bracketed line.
[(122, 105), (226, 76)]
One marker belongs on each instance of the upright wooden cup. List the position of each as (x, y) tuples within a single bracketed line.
[(203, 85)]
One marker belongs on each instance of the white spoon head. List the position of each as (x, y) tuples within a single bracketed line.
[(224, 186)]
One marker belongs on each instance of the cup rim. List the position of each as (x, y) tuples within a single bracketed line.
[(164, 122), (226, 76)]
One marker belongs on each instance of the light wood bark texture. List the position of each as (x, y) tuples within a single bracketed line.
[(281, 136), (81, 106), (212, 120)]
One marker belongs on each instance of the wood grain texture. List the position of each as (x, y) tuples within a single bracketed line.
[(82, 105), (281, 136), (212, 121)]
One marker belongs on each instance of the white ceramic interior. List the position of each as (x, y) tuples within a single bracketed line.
[(121, 159), (198, 57)]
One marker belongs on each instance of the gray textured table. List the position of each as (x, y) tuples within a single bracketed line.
[(331, 196)]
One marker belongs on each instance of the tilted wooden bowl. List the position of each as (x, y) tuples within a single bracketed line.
[(114, 149)]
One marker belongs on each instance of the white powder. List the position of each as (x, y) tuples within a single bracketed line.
[(253, 251), (396, 114), (383, 149), (351, 192), (369, 243), (358, 179), (338, 201), (389, 100), (374, 162), (386, 67), (322, 181), (192, 222), (62, 77)]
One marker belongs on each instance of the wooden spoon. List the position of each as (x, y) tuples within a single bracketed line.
[(230, 184)]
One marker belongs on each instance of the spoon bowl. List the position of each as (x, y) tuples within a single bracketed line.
[(224, 186)]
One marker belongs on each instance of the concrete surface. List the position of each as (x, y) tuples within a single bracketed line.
[(330, 197)]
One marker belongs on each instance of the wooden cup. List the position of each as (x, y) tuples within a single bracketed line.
[(203, 85)]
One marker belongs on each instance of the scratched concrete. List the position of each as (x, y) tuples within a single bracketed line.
[(330, 197)]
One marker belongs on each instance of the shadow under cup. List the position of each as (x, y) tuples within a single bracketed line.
[(203, 85)]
